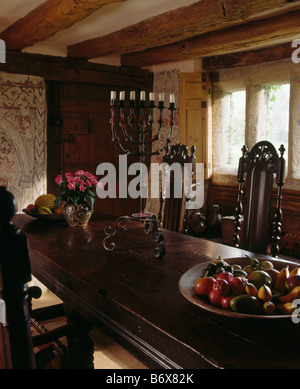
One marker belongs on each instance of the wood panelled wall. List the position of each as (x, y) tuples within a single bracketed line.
[(78, 98), (79, 136), (226, 195)]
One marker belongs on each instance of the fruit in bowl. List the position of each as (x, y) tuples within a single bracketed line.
[(45, 205), (45, 211), (259, 278), (59, 210), (256, 292), (31, 208)]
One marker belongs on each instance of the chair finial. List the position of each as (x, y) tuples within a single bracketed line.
[(244, 149), (281, 150)]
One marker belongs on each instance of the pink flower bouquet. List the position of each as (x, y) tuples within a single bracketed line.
[(77, 188)]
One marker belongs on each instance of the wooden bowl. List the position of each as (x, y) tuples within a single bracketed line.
[(46, 217), (188, 279)]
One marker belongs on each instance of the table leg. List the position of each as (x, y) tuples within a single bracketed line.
[(81, 347)]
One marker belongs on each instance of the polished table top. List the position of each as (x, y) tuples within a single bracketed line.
[(134, 296)]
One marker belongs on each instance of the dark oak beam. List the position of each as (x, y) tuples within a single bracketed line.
[(251, 57), (47, 19), (70, 69), (185, 22), (244, 37)]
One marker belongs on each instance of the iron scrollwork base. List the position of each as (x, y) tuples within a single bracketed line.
[(151, 227)]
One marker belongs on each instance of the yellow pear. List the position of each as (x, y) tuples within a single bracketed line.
[(264, 293)]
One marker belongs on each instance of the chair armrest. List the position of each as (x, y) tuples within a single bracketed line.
[(48, 313), (47, 336)]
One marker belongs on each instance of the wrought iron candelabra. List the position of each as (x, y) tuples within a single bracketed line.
[(139, 124), (140, 128)]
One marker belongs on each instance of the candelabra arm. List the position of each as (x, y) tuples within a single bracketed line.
[(151, 227)]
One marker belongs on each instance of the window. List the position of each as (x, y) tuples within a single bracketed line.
[(277, 115), (236, 128), (251, 104), (275, 127)]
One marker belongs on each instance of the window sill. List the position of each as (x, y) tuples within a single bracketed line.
[(228, 175)]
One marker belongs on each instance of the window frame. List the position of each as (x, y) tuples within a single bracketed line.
[(253, 79)]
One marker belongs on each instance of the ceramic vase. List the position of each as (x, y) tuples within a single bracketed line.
[(77, 215)]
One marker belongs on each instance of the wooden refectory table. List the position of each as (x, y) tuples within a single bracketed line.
[(135, 298)]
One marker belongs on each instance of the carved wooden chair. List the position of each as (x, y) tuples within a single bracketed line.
[(24, 342), (172, 205), (258, 169)]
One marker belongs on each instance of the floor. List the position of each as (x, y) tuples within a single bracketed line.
[(107, 353)]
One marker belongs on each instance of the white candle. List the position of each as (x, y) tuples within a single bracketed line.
[(143, 95), (151, 96), (122, 95), (161, 97), (113, 95), (132, 95), (172, 98)]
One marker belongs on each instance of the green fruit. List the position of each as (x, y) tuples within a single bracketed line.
[(240, 273), (246, 304), (266, 265), (249, 269), (260, 278), (254, 262)]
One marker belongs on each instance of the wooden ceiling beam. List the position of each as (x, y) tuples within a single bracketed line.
[(182, 23), (48, 19), (75, 70), (252, 57), (248, 36)]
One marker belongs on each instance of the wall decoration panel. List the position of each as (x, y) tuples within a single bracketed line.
[(23, 137)]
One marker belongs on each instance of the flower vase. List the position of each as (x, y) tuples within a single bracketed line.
[(77, 215)]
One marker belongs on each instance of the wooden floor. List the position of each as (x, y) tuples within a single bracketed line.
[(107, 353)]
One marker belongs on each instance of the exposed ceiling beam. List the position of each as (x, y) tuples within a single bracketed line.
[(251, 57), (47, 19), (247, 36), (73, 69), (185, 22)]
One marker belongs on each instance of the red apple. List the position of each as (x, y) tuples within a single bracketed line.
[(225, 276), (225, 301), (59, 210), (203, 285), (215, 298), (220, 289), (237, 285), (30, 208)]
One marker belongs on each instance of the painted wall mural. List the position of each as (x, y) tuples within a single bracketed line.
[(23, 137)]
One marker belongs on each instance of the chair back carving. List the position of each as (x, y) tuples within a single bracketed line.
[(257, 171), (15, 273), (171, 204)]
